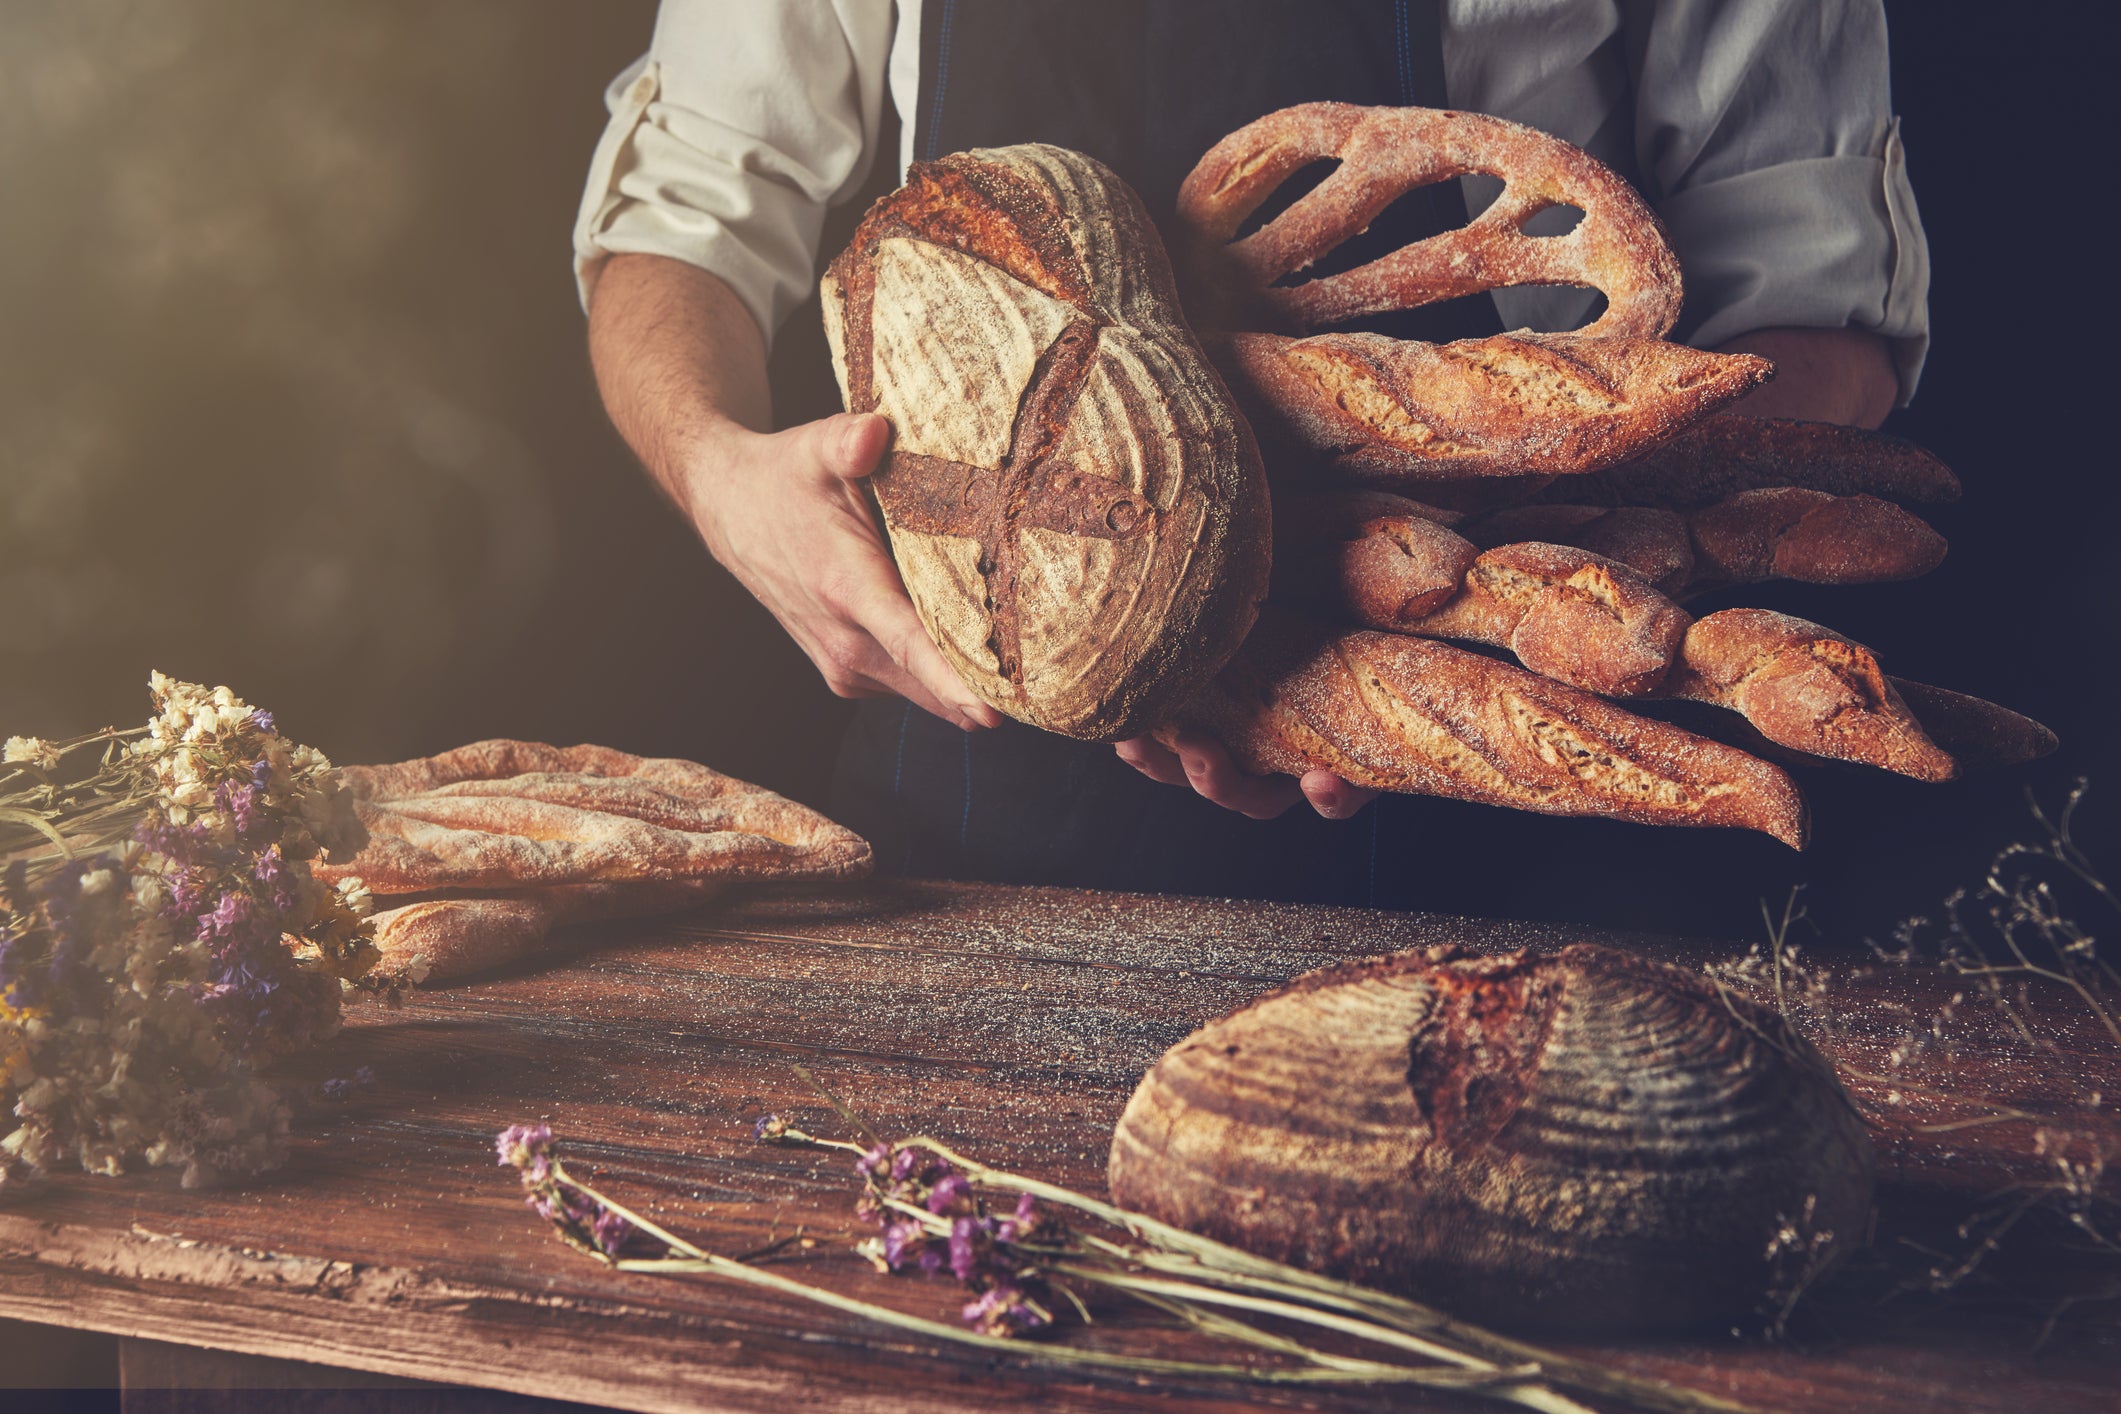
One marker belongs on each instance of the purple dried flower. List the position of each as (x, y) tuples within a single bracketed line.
[(952, 1192), (609, 1231), (903, 1167), (902, 1238), (527, 1147), (261, 772), (870, 1163), (261, 720), (768, 1128), (931, 1260), (1004, 1310), (230, 914), (964, 1251), (337, 1090)]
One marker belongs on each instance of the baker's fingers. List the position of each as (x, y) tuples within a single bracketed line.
[(880, 608), (1153, 759), (1212, 774), (849, 444), (1333, 797)]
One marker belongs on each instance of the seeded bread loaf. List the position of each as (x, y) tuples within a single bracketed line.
[(1077, 509)]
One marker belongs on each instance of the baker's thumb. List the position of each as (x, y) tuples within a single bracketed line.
[(850, 444)]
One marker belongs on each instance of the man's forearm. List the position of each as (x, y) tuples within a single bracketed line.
[(1824, 375), (678, 360)]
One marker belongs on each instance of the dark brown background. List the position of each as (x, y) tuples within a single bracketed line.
[(293, 397)]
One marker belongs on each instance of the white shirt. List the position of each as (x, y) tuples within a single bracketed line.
[(1760, 130)]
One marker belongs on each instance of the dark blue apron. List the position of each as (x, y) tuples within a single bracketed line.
[(1146, 86)]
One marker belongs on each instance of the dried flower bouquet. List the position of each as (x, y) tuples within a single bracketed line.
[(162, 936)]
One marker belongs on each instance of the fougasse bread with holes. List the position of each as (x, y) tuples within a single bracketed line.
[(479, 853), (1395, 411), (1077, 509), (508, 816)]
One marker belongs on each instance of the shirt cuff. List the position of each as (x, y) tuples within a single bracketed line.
[(1824, 243), (656, 176)]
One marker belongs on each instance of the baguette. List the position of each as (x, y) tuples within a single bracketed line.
[(1783, 532), (1381, 559), (1722, 456), (1594, 624), (1567, 614), (1400, 413), (1404, 714), (1807, 688), (1978, 734)]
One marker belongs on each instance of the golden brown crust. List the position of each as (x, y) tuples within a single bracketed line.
[(511, 816), (1382, 560), (1807, 688), (1405, 714), (1618, 247), (1978, 734), (1783, 532), (1077, 510), (1567, 614), (1402, 413), (441, 939), (1722, 456)]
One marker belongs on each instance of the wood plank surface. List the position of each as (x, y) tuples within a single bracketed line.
[(1012, 1023)]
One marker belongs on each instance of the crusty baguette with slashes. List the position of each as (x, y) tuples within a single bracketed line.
[(1399, 413), (1807, 688), (1406, 714), (1775, 532)]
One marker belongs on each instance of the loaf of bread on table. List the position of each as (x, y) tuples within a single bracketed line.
[(1405, 714), (476, 854), (1776, 532), (1077, 509)]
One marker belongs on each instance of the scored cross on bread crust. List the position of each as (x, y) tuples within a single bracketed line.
[(1618, 247), (1078, 513)]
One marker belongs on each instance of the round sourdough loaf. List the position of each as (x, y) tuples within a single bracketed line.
[(1077, 508)]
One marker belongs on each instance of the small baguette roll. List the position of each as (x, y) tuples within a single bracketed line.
[(1807, 688), (1406, 714), (1979, 734), (1567, 614), (1380, 559), (1791, 532)]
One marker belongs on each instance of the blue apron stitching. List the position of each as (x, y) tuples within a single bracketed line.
[(964, 824), (942, 79)]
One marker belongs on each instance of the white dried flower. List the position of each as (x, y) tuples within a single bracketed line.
[(30, 751)]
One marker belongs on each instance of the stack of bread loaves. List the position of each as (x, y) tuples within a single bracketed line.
[(1082, 518)]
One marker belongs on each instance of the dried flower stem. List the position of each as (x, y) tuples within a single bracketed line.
[(1326, 1369)]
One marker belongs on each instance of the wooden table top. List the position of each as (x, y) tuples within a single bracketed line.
[(1012, 1023)]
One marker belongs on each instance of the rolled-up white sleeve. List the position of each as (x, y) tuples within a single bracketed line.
[(1765, 136), (731, 136)]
